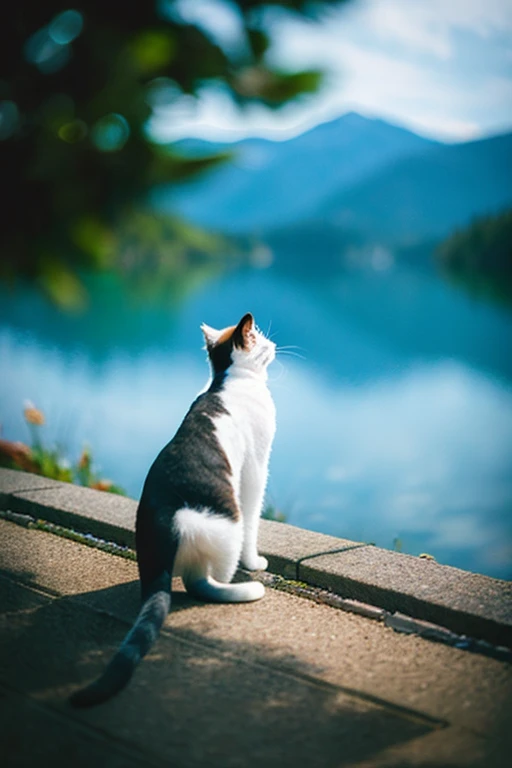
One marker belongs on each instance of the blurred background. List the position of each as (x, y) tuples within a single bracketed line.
[(341, 169)]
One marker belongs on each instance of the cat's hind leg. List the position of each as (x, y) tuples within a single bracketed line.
[(211, 591), (208, 554)]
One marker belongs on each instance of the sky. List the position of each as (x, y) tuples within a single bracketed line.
[(442, 68)]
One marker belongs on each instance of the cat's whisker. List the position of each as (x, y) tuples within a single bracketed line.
[(290, 346), (290, 353)]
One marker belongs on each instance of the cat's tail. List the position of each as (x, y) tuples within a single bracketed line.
[(212, 591), (134, 647)]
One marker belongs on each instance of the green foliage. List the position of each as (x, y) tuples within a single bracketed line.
[(159, 256), (272, 513), (76, 91), (480, 257), (50, 462)]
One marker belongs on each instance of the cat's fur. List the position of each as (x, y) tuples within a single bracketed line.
[(199, 511)]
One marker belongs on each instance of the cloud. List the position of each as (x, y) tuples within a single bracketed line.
[(388, 21), (441, 68), (394, 88), (217, 18), (430, 26), (411, 62)]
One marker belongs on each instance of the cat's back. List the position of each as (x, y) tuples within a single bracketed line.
[(192, 469)]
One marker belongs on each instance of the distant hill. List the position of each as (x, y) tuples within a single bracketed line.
[(480, 257), (427, 195), (345, 184), (272, 184)]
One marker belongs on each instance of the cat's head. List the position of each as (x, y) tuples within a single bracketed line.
[(241, 346)]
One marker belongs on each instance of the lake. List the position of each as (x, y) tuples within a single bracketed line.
[(394, 411)]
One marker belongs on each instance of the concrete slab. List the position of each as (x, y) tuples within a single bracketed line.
[(199, 699), (12, 481), (74, 744), (449, 747), (84, 598), (464, 602), (287, 546), (105, 515)]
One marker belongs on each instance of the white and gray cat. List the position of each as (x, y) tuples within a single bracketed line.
[(199, 511)]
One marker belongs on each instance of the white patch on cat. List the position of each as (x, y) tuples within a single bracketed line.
[(208, 555), (233, 442), (246, 436), (255, 359), (210, 544)]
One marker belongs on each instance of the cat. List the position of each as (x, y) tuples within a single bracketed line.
[(199, 512)]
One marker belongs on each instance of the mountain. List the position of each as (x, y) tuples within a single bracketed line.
[(272, 183), (406, 207), (427, 195), (345, 183)]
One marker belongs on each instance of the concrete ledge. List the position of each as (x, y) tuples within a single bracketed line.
[(464, 602), (12, 481), (287, 546), (105, 515)]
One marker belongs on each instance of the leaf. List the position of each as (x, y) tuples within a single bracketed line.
[(152, 50), (259, 42), (62, 285), (95, 239), (169, 165), (273, 87)]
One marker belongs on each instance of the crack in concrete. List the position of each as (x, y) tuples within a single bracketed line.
[(299, 562), (33, 490)]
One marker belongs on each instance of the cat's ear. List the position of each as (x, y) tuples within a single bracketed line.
[(242, 335), (211, 335)]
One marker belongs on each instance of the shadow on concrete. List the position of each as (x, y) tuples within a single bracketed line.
[(191, 702)]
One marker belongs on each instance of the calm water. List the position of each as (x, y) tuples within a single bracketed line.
[(394, 424)]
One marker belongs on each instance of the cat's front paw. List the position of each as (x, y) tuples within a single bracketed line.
[(256, 563)]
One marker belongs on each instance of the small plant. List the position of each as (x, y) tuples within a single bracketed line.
[(48, 462), (272, 513)]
